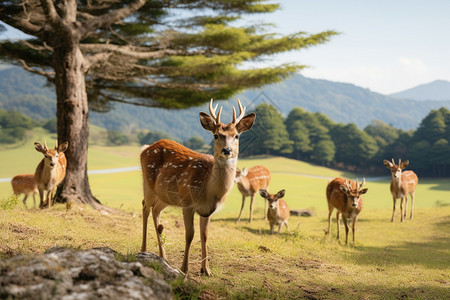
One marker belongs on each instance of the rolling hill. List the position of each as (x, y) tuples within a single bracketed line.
[(436, 90), (342, 102)]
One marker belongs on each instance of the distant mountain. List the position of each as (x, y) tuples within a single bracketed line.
[(436, 90), (341, 102)]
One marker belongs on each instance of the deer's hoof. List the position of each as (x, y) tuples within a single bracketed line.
[(206, 271)]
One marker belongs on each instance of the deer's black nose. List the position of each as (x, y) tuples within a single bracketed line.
[(226, 151), (52, 164)]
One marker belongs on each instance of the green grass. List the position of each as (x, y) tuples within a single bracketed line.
[(389, 261)]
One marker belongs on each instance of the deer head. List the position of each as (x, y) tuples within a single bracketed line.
[(226, 137), (396, 169), (240, 174), (273, 199), (51, 155), (353, 195)]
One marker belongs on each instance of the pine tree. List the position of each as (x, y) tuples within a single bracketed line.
[(171, 54)]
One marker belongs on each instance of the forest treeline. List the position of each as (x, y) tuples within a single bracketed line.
[(311, 137)]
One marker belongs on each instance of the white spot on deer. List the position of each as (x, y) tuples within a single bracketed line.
[(190, 158), (155, 151)]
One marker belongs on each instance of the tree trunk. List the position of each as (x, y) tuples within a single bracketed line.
[(73, 123)]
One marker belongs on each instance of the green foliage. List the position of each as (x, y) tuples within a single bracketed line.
[(195, 143), (151, 137), (268, 134), (9, 203), (117, 138), (13, 126), (50, 125)]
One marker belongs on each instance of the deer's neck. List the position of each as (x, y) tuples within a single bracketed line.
[(222, 176), (397, 183), (220, 182), (244, 185)]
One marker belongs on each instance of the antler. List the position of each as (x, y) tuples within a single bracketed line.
[(393, 162), (241, 113), (45, 145), (349, 186), (399, 162), (364, 181), (212, 111), (56, 144)]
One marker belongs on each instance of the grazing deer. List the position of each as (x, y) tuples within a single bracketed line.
[(402, 184), (278, 212), (24, 184), (249, 182), (50, 171), (345, 196), (175, 175)]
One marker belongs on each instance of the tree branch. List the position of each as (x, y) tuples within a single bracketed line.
[(134, 51), (49, 75), (50, 12), (91, 25)]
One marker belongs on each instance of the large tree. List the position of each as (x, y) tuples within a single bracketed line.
[(170, 54)]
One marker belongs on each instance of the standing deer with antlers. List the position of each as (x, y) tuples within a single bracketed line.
[(175, 175), (402, 184), (345, 196), (25, 184), (249, 182), (50, 172)]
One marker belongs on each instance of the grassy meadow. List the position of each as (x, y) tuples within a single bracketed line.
[(389, 260)]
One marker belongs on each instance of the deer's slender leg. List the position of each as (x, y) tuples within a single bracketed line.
[(188, 217), (242, 207), (252, 200), (412, 205), (204, 226), (393, 208)]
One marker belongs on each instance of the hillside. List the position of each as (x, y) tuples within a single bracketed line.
[(436, 90), (342, 102)]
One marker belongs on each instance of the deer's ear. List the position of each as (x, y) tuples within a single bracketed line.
[(387, 164), (207, 122), (280, 194), (405, 164), (39, 147), (264, 193), (246, 123), (363, 191), (63, 147)]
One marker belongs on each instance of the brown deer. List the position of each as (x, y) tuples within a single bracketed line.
[(402, 184), (249, 182), (175, 175), (24, 184), (345, 196), (278, 212), (50, 172)]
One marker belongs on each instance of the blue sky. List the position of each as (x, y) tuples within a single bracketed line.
[(386, 46)]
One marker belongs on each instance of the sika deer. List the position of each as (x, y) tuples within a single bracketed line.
[(345, 196), (249, 182), (175, 175), (24, 184), (50, 172), (402, 184), (278, 212)]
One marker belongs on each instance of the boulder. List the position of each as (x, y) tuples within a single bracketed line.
[(62, 273)]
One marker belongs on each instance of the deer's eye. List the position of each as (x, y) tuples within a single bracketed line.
[(46, 156), (216, 136), (237, 136)]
